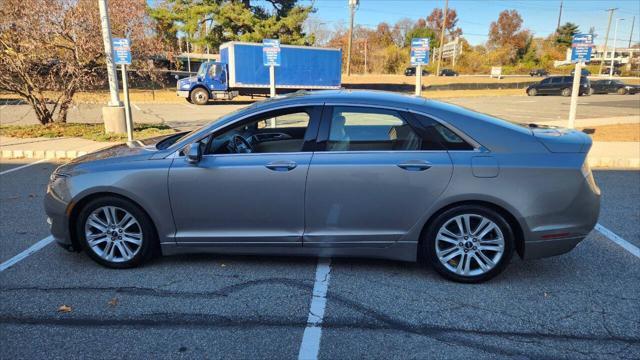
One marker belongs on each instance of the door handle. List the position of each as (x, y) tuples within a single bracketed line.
[(415, 165), (281, 165)]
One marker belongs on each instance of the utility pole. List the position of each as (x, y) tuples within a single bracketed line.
[(633, 22), (365, 55), (606, 39), (108, 52), (444, 27), (559, 17), (352, 10), (613, 53)]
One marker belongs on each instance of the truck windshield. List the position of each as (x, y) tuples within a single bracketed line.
[(202, 70)]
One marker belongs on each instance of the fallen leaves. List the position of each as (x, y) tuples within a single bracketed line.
[(64, 309)]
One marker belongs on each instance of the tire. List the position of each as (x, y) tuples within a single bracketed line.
[(189, 100), (502, 239), (199, 96), (621, 91), (566, 92), (99, 251), (532, 92)]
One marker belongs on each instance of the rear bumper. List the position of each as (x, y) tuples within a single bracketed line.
[(559, 232)]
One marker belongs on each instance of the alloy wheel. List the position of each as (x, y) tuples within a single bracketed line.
[(470, 245), (113, 234)]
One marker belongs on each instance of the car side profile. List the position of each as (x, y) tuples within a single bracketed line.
[(411, 71), (539, 72), (340, 174), (559, 85), (448, 72), (613, 87)]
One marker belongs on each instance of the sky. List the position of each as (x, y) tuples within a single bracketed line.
[(540, 16)]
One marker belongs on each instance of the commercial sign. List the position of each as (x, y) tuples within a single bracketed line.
[(271, 52), (581, 46), (121, 51), (419, 51)]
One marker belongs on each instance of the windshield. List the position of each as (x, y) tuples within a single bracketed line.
[(202, 70)]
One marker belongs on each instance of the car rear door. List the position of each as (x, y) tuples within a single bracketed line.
[(247, 199), (371, 179)]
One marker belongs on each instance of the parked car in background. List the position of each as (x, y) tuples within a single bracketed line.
[(448, 72), (539, 72), (558, 85), (339, 174), (613, 86), (583, 72), (411, 71), (616, 71)]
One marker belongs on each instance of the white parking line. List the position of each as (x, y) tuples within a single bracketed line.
[(634, 250), (33, 248), (310, 345), (22, 167), (136, 106)]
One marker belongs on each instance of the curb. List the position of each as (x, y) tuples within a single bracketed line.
[(614, 163), (41, 154)]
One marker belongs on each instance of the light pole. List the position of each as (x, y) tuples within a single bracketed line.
[(352, 10), (613, 53)]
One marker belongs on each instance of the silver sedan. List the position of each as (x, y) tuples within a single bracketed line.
[(335, 173)]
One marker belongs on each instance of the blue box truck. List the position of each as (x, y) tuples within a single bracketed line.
[(241, 71)]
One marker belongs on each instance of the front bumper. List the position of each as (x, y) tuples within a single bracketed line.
[(182, 93), (58, 219)]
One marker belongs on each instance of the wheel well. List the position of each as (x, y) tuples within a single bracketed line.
[(75, 209), (199, 87), (515, 225)]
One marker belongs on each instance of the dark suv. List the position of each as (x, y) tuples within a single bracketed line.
[(411, 71), (448, 72), (539, 72), (558, 85)]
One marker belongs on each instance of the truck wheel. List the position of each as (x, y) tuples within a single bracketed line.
[(199, 96), (189, 100), (566, 92)]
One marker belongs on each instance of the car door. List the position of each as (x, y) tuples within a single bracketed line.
[(543, 86), (372, 180), (247, 198)]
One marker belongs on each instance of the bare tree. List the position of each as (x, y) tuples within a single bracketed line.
[(50, 49)]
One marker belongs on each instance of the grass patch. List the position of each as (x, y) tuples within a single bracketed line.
[(93, 132)]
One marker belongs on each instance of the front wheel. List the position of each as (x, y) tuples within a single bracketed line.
[(115, 232), (532, 92), (199, 96), (469, 244)]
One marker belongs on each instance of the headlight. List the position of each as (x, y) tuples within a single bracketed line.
[(58, 175), (185, 86)]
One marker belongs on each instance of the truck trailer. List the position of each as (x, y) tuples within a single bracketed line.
[(241, 71)]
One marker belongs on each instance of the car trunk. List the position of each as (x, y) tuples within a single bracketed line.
[(562, 140)]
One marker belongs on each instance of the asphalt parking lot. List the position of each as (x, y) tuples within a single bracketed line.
[(585, 304), (516, 108)]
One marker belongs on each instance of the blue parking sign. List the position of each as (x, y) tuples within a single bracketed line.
[(581, 46), (419, 51), (271, 52), (121, 51)]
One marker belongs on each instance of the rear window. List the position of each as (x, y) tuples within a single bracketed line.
[(436, 133)]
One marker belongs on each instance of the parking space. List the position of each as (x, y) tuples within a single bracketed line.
[(584, 304)]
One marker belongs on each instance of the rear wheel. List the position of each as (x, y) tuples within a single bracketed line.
[(469, 244), (115, 232), (566, 92), (532, 92), (622, 91), (199, 96)]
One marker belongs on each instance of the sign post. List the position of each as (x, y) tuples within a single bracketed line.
[(271, 58), (122, 57), (581, 46), (419, 57)]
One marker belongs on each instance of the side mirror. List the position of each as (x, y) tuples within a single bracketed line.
[(194, 153), (177, 77)]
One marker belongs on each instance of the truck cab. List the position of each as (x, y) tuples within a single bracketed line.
[(210, 83)]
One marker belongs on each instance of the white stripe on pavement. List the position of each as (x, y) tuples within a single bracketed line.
[(32, 249), (311, 339), (22, 167), (136, 106), (634, 250)]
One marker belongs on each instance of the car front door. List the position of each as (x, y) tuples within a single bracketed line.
[(249, 187), (543, 86), (374, 179)]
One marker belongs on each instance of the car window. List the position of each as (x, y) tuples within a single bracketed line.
[(274, 132), (546, 81), (364, 129), (438, 136)]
